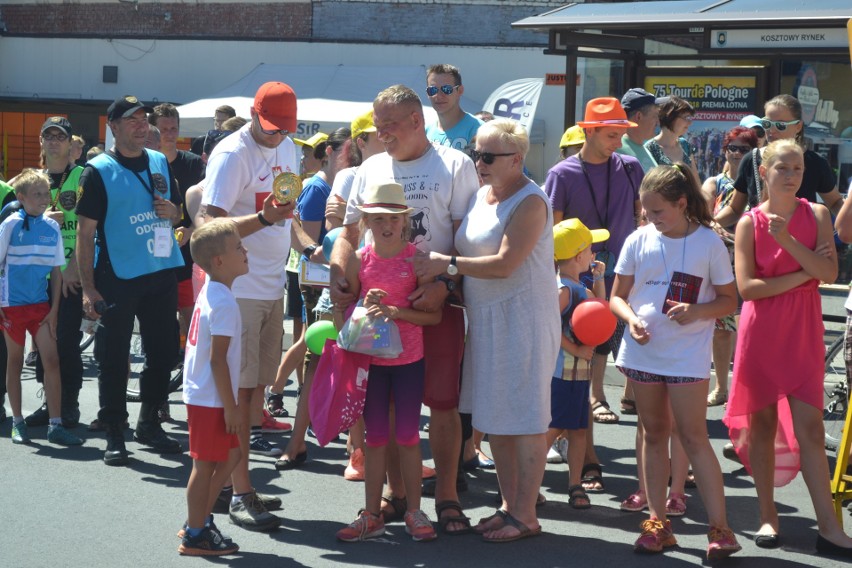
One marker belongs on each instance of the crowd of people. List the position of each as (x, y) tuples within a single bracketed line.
[(441, 231)]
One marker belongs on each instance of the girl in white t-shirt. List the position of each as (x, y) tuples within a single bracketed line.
[(673, 279)]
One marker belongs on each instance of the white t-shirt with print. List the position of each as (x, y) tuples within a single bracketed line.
[(438, 186), (239, 177), (216, 313), (681, 269)]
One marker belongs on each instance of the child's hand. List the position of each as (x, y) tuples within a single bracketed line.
[(778, 227), (585, 352), (638, 331), (826, 249), (681, 313), (374, 296), (383, 311), (233, 424), (598, 269)]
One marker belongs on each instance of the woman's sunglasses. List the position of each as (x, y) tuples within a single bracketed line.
[(446, 89), (779, 125), (486, 157), (737, 149)]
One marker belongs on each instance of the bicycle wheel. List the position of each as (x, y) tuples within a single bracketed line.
[(137, 363), (836, 398), (87, 340)]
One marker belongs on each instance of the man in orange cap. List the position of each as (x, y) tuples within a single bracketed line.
[(241, 172), (601, 188)]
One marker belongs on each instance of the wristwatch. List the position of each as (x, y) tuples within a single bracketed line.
[(448, 282), (309, 250), (452, 269)]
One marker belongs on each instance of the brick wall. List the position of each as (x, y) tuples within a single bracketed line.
[(237, 20)]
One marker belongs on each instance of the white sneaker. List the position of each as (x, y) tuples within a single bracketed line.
[(553, 455), (562, 448)]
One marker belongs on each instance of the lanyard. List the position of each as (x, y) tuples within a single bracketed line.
[(148, 186), (602, 220), (682, 265), (58, 187)]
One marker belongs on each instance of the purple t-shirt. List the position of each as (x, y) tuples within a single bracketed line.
[(569, 192)]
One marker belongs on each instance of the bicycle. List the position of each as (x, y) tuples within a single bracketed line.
[(836, 394), (137, 363)]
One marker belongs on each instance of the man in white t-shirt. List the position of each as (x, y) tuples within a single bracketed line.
[(239, 180), (439, 182)]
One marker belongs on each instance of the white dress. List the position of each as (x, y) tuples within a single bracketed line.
[(514, 325)]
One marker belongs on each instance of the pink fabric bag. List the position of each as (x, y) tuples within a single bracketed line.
[(338, 392)]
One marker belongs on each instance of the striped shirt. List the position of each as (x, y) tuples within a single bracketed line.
[(29, 249)]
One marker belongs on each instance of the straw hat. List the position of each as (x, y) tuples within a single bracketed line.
[(385, 198)]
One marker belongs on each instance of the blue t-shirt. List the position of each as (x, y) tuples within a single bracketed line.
[(29, 249), (311, 203), (458, 137), (578, 294)]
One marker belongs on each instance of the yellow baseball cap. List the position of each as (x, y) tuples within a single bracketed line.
[(571, 237), (313, 141), (574, 136), (362, 124)]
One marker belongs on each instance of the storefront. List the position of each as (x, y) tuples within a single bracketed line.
[(726, 57)]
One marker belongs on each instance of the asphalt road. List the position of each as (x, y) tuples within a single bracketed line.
[(64, 508)]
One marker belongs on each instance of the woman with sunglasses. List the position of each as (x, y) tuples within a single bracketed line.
[(782, 121), (719, 190), (506, 240), (670, 145)]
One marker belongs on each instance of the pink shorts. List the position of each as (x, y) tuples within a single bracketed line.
[(443, 349), (21, 319), (208, 440)]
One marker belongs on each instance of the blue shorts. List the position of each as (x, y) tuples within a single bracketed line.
[(569, 404)]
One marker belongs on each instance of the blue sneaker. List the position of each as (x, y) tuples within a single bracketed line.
[(57, 434), (19, 434)]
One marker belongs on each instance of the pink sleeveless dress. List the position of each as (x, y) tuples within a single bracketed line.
[(779, 346)]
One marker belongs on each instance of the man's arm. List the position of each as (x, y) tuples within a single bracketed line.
[(85, 254), (344, 246), (272, 213)]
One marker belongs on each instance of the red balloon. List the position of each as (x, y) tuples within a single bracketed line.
[(593, 322)]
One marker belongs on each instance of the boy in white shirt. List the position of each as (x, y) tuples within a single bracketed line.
[(211, 380)]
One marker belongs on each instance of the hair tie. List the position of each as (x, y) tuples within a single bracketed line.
[(679, 168)]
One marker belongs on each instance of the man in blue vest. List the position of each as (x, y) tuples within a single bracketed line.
[(128, 198)]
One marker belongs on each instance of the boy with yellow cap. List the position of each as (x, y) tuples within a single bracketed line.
[(569, 388)]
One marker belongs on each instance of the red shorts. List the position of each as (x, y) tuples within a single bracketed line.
[(186, 299), (208, 440), (21, 319), (443, 349)]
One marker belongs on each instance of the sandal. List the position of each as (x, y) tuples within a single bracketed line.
[(717, 398), (523, 531), (592, 483), (676, 505), (461, 518), (628, 406), (602, 413), (690, 481), (398, 507), (578, 498), (499, 514), (635, 503)]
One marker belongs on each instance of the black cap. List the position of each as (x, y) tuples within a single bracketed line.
[(59, 122), (636, 98), (123, 107)]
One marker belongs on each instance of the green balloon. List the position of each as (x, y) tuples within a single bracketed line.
[(317, 333)]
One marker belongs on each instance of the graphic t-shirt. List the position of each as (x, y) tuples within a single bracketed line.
[(216, 313), (438, 185), (683, 270), (458, 137), (29, 249), (239, 177)]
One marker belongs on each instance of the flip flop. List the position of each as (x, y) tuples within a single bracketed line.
[(523, 531), (442, 506), (605, 416)]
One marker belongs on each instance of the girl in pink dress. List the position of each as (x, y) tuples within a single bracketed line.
[(783, 249)]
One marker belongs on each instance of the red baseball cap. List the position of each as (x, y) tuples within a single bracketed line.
[(275, 105)]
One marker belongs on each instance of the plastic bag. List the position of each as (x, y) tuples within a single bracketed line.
[(377, 337)]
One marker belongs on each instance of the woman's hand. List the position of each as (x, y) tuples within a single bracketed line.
[(430, 265)]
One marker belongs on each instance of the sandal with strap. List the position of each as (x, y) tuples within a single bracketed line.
[(716, 398), (628, 406), (442, 506), (578, 498), (676, 505), (635, 503), (590, 479), (602, 414), (499, 514), (399, 506)]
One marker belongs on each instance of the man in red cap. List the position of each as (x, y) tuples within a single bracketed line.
[(601, 188), (241, 172)]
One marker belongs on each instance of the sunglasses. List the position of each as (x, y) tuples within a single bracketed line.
[(59, 137), (271, 132), (738, 149), (446, 89), (779, 125), (758, 131), (486, 157), (687, 117)]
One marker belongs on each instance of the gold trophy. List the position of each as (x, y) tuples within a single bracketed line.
[(286, 187)]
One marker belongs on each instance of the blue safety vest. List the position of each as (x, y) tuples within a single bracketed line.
[(130, 218)]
